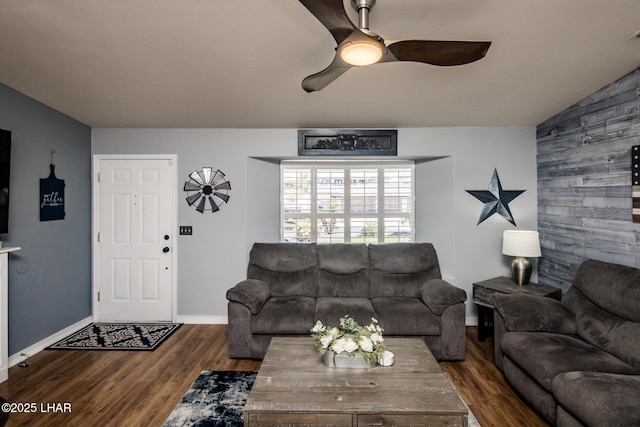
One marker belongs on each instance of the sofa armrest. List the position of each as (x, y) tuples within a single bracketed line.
[(438, 295), (533, 313), (251, 293)]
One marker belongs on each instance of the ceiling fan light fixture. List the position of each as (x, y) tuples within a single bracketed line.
[(361, 53), (358, 46)]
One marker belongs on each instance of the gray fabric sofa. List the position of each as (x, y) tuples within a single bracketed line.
[(290, 286), (577, 362)]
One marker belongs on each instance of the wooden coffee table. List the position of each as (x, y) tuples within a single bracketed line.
[(294, 387)]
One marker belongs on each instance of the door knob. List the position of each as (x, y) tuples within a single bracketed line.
[(165, 249)]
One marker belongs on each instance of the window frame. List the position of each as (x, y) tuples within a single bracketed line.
[(347, 166)]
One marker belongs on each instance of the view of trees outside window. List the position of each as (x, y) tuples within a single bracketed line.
[(348, 202)]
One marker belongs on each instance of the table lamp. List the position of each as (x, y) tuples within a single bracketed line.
[(521, 244)]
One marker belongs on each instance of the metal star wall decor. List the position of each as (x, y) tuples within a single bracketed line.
[(496, 199)]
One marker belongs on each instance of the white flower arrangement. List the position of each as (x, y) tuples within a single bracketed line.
[(350, 338)]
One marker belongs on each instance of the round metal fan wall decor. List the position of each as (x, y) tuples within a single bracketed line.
[(207, 189)]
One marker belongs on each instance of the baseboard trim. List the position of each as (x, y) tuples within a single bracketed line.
[(203, 320), (471, 321), (52, 339)]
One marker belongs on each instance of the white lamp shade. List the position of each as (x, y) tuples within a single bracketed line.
[(521, 243)]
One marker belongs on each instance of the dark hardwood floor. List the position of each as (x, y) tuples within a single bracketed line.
[(128, 388)]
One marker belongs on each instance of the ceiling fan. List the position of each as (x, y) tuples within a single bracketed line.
[(357, 46)]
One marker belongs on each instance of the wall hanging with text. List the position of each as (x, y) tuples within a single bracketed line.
[(51, 197)]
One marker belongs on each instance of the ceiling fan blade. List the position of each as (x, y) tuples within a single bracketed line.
[(437, 52), (332, 15), (319, 81)]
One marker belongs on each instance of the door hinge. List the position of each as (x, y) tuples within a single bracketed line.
[(98, 177), (98, 296), (98, 237)]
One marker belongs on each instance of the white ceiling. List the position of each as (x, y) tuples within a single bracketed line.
[(239, 64)]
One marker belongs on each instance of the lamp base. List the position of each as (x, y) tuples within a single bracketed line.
[(521, 270)]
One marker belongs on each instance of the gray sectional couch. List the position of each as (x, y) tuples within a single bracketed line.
[(577, 362), (290, 286)]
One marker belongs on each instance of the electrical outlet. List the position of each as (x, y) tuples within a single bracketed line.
[(186, 230)]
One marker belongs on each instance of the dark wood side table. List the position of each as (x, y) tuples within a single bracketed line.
[(482, 292)]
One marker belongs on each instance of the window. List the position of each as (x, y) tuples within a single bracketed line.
[(347, 202)]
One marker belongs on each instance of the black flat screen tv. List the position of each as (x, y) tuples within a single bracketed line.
[(5, 167)]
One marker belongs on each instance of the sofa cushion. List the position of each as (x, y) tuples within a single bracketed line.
[(285, 315), (343, 270), (541, 399), (615, 288), (329, 310), (544, 355), (614, 334), (288, 268), (599, 399), (406, 316), (400, 269)]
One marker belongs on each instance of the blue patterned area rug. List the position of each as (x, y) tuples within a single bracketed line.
[(118, 336), (216, 398)]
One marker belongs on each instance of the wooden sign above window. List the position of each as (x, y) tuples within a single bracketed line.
[(347, 142)]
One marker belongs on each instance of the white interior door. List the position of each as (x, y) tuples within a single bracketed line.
[(135, 239)]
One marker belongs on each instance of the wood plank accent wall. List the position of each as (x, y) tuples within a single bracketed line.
[(584, 182)]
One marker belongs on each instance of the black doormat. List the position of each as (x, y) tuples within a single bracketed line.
[(118, 336)]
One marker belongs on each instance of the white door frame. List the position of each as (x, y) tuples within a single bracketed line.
[(95, 222)]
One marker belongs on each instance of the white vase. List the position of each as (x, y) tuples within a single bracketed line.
[(342, 360)]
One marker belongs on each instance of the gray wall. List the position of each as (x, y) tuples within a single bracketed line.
[(50, 278), (584, 182), (450, 161)]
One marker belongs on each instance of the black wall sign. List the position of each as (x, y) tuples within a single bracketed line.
[(51, 197)]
